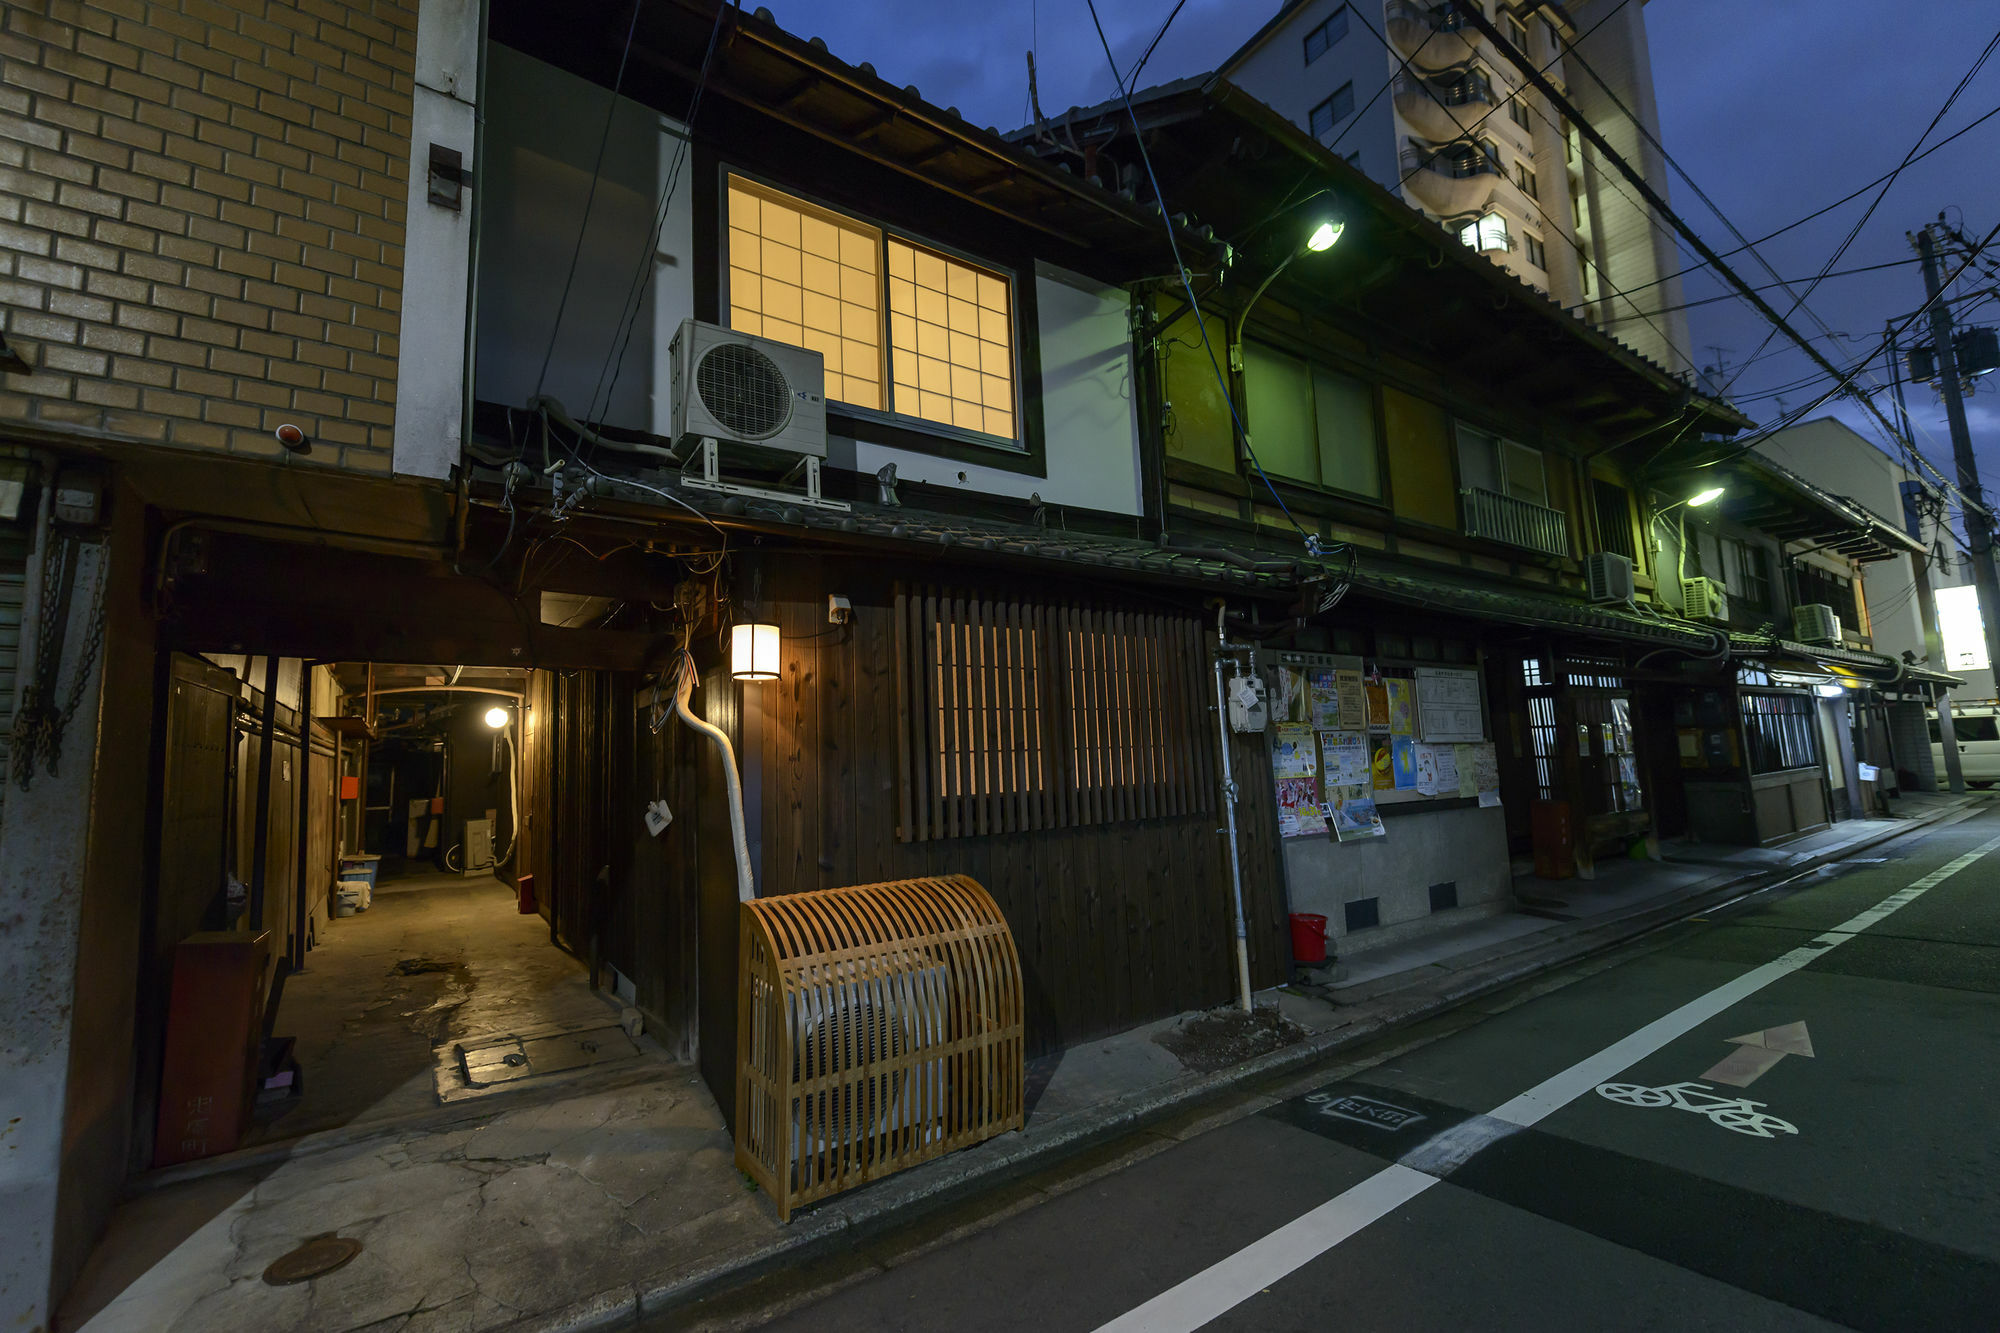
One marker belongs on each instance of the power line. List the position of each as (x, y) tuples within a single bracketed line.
[(1817, 213), (1785, 284), (1887, 184), (590, 196), (1477, 17), (1311, 540)]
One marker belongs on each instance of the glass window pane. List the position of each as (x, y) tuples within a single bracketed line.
[(1345, 413), (1478, 459), (1279, 393)]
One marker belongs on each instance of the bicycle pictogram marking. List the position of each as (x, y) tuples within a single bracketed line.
[(1733, 1113)]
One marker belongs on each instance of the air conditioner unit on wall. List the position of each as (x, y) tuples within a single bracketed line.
[(1815, 622), (1704, 599), (748, 401), (1608, 577)]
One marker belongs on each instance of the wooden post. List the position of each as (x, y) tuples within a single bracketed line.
[(304, 829), (261, 844)]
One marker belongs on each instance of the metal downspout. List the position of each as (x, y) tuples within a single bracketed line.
[(1229, 815)]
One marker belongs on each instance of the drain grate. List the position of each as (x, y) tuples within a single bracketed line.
[(315, 1258)]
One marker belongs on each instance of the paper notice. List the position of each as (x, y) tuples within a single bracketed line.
[(1294, 753)]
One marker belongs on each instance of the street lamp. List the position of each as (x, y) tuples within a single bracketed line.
[(1701, 498), (1321, 238), (496, 717)]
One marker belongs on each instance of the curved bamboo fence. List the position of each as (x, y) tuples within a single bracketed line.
[(880, 1026)]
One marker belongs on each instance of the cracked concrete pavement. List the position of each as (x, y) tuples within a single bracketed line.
[(464, 1228)]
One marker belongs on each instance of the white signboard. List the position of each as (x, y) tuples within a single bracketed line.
[(1448, 705)]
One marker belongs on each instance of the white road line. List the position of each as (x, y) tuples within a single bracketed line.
[(1221, 1287)]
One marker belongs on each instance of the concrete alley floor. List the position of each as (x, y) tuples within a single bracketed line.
[(438, 959)]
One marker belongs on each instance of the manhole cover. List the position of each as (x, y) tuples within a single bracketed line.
[(322, 1254)]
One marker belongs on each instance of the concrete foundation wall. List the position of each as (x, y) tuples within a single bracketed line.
[(1467, 846)]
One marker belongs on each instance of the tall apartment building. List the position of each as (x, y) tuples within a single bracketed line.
[(1421, 101)]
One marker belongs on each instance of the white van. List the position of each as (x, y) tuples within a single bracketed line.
[(1976, 727)]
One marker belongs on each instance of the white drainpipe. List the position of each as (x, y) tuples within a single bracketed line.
[(1229, 812), (746, 888)]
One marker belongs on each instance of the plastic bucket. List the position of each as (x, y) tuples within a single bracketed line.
[(1308, 938)]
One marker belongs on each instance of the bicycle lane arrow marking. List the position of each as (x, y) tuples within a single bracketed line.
[(1757, 1053), (1223, 1286)]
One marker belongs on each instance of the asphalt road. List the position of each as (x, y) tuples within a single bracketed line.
[(1554, 1158)]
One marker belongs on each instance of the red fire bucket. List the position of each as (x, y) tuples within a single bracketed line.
[(1308, 938), (526, 888)]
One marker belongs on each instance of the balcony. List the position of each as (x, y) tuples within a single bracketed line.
[(1502, 518), (1443, 107), (1453, 180), (1440, 36)]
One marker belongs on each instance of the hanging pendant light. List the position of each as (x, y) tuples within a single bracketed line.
[(753, 652)]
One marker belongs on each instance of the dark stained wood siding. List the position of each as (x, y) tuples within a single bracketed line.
[(1118, 922)]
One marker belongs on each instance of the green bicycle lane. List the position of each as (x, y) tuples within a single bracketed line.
[(1882, 1210)]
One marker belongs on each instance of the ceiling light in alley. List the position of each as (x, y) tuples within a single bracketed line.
[(496, 717)]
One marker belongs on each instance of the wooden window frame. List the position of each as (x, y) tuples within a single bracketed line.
[(1020, 443), (1110, 726)]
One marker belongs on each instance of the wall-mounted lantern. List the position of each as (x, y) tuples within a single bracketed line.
[(753, 652)]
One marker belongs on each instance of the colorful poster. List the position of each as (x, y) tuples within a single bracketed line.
[(1298, 808), (1288, 695), (1402, 708), (1403, 759), (1323, 697), (1343, 759), (1354, 814), (1437, 770), (1294, 753), (1353, 703), (1381, 767), (1377, 695)]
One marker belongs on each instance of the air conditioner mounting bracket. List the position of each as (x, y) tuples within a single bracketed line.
[(708, 456)]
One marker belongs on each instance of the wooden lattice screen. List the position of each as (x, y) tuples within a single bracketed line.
[(879, 1026), (1024, 714)]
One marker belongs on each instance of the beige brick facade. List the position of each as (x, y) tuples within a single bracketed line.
[(201, 219)]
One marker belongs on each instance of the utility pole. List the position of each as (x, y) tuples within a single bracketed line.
[(1978, 527), (1913, 519)]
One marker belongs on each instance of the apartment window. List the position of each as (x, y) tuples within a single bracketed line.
[(1749, 575), (1333, 110), (1614, 517), (1310, 424), (1488, 463), (1834, 590), (1326, 34), (1024, 714), (1778, 732), (1486, 233), (1575, 205), (1538, 254), (1524, 176), (1466, 88), (813, 278), (1466, 159), (1516, 34), (1517, 109)]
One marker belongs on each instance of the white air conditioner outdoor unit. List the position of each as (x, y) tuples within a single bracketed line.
[(1607, 576), (748, 401), (1704, 599), (1815, 622), (865, 1021)]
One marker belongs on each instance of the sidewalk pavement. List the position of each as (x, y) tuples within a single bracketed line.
[(621, 1202)]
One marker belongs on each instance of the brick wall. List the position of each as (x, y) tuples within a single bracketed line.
[(201, 219)]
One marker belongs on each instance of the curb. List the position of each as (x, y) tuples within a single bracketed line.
[(901, 1198)]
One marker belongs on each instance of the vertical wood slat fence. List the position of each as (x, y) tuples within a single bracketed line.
[(880, 1026), (1020, 714)]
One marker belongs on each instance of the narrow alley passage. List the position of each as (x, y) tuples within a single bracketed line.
[(1776, 1116)]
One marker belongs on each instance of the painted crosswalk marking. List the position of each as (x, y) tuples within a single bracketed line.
[(1221, 1287)]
